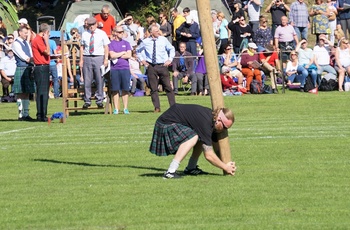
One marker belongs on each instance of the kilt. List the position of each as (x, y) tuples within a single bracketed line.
[(23, 81), (166, 138)]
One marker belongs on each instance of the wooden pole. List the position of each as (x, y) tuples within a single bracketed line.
[(213, 72)]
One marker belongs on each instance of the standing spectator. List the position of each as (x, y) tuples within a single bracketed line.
[(306, 61), (344, 16), (140, 31), (156, 54), (105, 21), (224, 32), (178, 19), (270, 64), (23, 84), (93, 54), (3, 28), (7, 72), (239, 32), (53, 68), (322, 57), (84, 27), (263, 35), (237, 11), (183, 127), (285, 36), (188, 32), (277, 8), (216, 23), (248, 58), (165, 27), (299, 18), (332, 18), (253, 8), (41, 57), (138, 79), (320, 23), (183, 68), (130, 29), (9, 42), (120, 52)]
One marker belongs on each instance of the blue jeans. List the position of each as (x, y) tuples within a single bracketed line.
[(301, 32), (302, 75), (305, 72), (56, 85)]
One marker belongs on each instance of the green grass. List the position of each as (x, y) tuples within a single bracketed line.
[(95, 171)]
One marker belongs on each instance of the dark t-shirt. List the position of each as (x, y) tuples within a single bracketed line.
[(277, 12), (237, 33), (197, 117)]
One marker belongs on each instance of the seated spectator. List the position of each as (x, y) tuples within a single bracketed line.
[(227, 83), (270, 64), (7, 72), (9, 41), (342, 60), (229, 59), (306, 61), (292, 71), (183, 67), (322, 57), (250, 64), (138, 79)]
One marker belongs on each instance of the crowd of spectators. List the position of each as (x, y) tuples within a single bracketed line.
[(168, 51)]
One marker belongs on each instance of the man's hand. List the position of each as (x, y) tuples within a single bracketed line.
[(231, 168), (167, 63)]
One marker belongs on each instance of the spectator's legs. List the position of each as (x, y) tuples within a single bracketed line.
[(248, 73), (164, 77), (302, 73), (56, 85), (193, 78), (200, 78), (153, 84)]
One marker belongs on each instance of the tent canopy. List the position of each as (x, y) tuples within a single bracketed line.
[(75, 9), (9, 16)]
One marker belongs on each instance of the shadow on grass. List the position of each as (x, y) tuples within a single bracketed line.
[(113, 166)]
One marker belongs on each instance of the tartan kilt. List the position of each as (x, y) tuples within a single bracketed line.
[(166, 138), (23, 82)]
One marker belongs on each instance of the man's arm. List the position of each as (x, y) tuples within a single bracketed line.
[(210, 155)]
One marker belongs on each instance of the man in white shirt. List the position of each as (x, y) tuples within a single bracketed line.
[(93, 54), (7, 71), (322, 57)]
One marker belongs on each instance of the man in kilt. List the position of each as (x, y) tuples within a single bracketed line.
[(23, 84), (183, 127)]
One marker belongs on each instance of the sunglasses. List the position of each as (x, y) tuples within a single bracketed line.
[(264, 21), (241, 20), (119, 32)]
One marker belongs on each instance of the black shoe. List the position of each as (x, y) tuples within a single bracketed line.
[(99, 105), (86, 105), (169, 175), (302, 90), (274, 91), (194, 172), (42, 119), (27, 118)]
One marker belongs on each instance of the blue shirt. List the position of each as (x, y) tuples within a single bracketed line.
[(164, 50), (53, 47)]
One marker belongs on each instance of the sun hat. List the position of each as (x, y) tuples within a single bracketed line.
[(225, 69), (252, 45), (23, 21)]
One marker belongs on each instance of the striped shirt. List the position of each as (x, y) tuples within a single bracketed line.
[(299, 14)]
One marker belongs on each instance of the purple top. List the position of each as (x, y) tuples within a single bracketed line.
[(119, 46), (201, 67)]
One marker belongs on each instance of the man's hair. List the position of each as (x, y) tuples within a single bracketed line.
[(21, 28), (151, 27), (186, 10), (173, 10), (44, 27), (106, 7)]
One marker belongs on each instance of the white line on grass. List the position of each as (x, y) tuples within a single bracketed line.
[(15, 130)]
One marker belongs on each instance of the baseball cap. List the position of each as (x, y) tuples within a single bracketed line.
[(91, 21)]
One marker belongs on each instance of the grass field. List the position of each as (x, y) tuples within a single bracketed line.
[(95, 171)]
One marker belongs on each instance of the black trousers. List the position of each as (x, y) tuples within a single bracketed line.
[(159, 74), (42, 84)]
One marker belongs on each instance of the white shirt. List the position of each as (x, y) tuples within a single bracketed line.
[(8, 65), (321, 55), (100, 41), (17, 49)]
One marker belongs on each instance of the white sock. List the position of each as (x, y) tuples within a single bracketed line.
[(25, 103), (192, 163), (20, 108), (174, 165)]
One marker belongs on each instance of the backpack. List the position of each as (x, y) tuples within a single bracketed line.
[(329, 85), (308, 84), (267, 89), (256, 87)]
